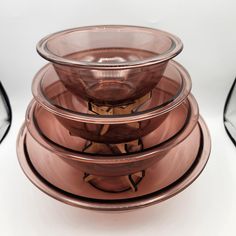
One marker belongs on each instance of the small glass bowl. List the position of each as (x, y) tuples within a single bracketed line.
[(75, 113), (110, 64)]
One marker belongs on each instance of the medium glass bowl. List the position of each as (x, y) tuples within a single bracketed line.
[(101, 164), (76, 115), (110, 64), (54, 131)]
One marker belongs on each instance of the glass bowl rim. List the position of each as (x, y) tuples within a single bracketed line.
[(46, 53)]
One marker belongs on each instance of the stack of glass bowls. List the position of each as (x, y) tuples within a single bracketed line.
[(113, 125)]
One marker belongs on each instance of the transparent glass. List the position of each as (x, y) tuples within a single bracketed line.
[(110, 64)]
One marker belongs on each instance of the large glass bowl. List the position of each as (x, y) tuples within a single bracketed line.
[(110, 64), (167, 177)]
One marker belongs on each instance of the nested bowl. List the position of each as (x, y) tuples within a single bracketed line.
[(180, 167), (122, 124), (110, 64), (46, 136), (50, 128)]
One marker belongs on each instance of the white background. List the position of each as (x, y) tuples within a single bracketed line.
[(208, 30)]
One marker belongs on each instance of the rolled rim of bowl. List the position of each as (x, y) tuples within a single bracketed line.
[(107, 119), (190, 124), (46, 53)]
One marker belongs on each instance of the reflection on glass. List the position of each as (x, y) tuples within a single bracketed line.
[(5, 113), (230, 113)]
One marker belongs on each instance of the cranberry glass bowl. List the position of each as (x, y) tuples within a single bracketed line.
[(54, 131), (75, 114), (163, 180), (64, 167), (99, 163), (110, 64)]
